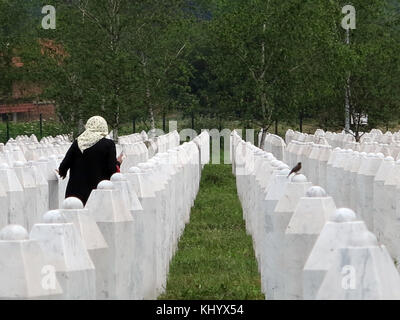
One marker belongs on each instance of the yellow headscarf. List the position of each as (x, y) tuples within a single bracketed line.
[(96, 129)]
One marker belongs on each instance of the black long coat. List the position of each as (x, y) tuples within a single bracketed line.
[(87, 169)]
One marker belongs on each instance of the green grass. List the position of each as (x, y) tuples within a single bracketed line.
[(215, 259)]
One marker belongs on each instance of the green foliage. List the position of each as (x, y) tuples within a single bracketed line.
[(253, 61), (50, 128)]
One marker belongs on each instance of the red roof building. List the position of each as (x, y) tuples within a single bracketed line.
[(29, 111)]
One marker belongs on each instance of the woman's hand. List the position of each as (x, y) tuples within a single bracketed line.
[(58, 172), (120, 157)]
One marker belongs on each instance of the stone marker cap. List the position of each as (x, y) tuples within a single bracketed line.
[(72, 203), (4, 166), (316, 192), (13, 232), (275, 163), (105, 185), (53, 216), (134, 170), (299, 178), (343, 215), (283, 166), (118, 177), (284, 172)]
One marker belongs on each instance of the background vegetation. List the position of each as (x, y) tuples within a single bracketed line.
[(265, 64)]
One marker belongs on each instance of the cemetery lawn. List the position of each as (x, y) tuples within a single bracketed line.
[(215, 259)]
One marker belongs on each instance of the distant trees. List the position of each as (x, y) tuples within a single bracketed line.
[(259, 61), (288, 60)]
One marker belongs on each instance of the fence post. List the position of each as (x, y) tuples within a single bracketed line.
[(41, 125), (8, 128)]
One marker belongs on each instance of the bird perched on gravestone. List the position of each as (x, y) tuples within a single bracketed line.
[(296, 169)]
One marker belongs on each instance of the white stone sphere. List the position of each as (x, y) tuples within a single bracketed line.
[(13, 232)]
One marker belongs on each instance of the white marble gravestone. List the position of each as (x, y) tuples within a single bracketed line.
[(114, 278), (335, 234), (64, 249), (361, 270), (24, 272), (277, 223), (309, 217)]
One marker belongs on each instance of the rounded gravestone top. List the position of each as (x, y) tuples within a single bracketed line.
[(149, 165), (389, 158), (4, 166), (283, 166), (13, 232), (118, 177), (105, 185), (134, 170), (337, 149), (380, 155), (72, 203), (363, 239), (144, 166), (363, 154), (53, 216), (275, 163), (284, 172), (299, 178), (316, 192), (18, 164), (343, 215)]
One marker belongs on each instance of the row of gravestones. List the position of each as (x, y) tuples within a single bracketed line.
[(138, 148), (367, 182), (29, 185), (373, 141), (116, 247), (305, 247)]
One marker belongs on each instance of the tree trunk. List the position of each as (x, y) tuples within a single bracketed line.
[(164, 121), (115, 135), (263, 135), (151, 112), (192, 115), (276, 126), (357, 136), (301, 122), (152, 122)]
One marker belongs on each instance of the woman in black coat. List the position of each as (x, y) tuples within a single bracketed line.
[(90, 159)]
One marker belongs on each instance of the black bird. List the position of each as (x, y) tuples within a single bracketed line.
[(296, 169)]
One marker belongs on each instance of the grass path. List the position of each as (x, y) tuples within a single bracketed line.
[(215, 259)]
